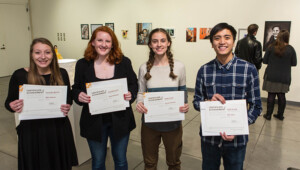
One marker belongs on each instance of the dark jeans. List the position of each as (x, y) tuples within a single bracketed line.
[(118, 149), (233, 158)]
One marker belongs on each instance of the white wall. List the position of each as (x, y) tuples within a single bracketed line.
[(13, 1), (51, 17)]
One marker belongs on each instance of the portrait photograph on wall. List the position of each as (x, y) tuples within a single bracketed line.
[(191, 34), (95, 26), (84, 31), (204, 33), (124, 34), (171, 31), (242, 33), (142, 32), (111, 26), (272, 28)]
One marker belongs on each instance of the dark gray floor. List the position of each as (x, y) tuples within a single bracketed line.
[(273, 144)]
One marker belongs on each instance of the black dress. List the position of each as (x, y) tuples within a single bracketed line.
[(44, 144)]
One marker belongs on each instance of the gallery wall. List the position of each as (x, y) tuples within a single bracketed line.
[(13, 1), (65, 16)]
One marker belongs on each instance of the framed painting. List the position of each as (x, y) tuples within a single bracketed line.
[(84, 31), (272, 28)]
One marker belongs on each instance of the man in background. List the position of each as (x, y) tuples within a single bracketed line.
[(249, 48)]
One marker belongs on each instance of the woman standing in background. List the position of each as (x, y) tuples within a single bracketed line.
[(277, 78)]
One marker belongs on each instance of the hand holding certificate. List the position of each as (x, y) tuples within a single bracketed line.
[(107, 96), (41, 102), (231, 117), (164, 106)]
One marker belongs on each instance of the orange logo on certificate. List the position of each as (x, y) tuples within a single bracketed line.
[(88, 85), (144, 94), (20, 88)]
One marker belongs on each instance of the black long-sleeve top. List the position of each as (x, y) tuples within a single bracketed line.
[(122, 121), (19, 77), (279, 67)]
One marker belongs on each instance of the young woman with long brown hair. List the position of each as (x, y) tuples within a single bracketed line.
[(161, 73), (103, 60), (277, 78), (42, 143)]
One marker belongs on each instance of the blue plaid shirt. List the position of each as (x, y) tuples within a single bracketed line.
[(237, 79)]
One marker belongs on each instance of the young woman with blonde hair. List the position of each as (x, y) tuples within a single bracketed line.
[(43, 143)]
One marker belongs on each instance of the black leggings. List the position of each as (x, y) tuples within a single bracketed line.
[(281, 100)]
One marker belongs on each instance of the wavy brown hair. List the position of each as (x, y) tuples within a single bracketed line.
[(115, 54), (33, 75), (283, 38), (168, 52)]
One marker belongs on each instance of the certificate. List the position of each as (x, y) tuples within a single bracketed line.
[(107, 96), (164, 106), (231, 117), (42, 102)]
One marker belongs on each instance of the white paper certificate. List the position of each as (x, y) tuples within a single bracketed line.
[(42, 102), (164, 106), (231, 117), (107, 96)]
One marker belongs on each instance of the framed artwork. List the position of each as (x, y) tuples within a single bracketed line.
[(95, 26), (84, 31), (171, 32), (124, 34), (204, 33), (272, 28), (111, 26), (142, 32), (242, 33), (191, 34)]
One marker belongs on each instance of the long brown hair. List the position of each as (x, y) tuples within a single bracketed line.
[(33, 75), (168, 52), (283, 38), (115, 54)]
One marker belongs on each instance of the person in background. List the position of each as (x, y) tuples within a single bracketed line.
[(249, 48), (103, 60), (143, 37), (277, 78), (58, 55), (226, 77), (161, 73), (42, 143)]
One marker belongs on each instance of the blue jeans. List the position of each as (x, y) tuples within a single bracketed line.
[(118, 149), (233, 158)]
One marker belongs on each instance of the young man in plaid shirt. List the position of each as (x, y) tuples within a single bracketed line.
[(226, 78)]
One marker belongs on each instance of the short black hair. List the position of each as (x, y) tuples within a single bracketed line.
[(220, 27)]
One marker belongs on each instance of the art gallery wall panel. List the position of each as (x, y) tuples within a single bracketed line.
[(51, 17), (13, 1)]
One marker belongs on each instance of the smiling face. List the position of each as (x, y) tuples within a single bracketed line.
[(42, 56), (102, 44), (223, 43), (159, 43), (275, 31)]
